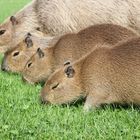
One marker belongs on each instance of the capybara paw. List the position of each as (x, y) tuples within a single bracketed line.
[(87, 107)]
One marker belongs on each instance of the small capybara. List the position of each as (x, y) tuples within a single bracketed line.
[(16, 58), (71, 47), (56, 17), (107, 75)]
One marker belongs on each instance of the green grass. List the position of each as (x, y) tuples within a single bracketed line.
[(22, 117), (9, 7)]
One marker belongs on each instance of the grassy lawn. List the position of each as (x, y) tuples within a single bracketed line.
[(22, 117)]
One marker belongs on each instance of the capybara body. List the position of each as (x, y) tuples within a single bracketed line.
[(106, 75), (64, 16), (71, 47), (58, 17)]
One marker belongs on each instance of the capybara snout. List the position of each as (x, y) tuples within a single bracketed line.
[(4, 66), (43, 100), (104, 76)]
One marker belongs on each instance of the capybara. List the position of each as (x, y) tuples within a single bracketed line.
[(107, 75), (64, 16), (58, 17), (16, 58), (17, 26), (71, 47)]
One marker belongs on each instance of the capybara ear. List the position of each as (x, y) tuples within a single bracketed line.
[(67, 63), (69, 71), (13, 20), (28, 41), (40, 53), (29, 34)]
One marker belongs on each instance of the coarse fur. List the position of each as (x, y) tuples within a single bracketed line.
[(104, 76), (16, 58), (71, 47), (58, 17), (64, 16), (26, 20)]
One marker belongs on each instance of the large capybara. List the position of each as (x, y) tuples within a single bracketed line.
[(71, 47), (106, 75), (58, 17), (16, 58)]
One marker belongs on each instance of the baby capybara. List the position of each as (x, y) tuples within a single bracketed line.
[(72, 47), (104, 76), (16, 58)]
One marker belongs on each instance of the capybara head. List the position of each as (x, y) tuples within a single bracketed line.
[(42, 63), (39, 66), (62, 87), (15, 59), (7, 33)]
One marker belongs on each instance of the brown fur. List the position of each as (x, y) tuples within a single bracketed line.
[(26, 21), (71, 47), (16, 63), (106, 75), (8, 35), (56, 17)]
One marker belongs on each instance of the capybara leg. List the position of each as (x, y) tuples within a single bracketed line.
[(94, 101), (91, 103)]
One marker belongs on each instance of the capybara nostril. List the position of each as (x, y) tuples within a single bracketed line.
[(3, 68)]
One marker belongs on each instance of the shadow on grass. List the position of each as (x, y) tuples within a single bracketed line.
[(122, 107), (104, 107), (9, 73)]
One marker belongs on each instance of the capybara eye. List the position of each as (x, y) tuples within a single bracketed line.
[(29, 34), (38, 29), (2, 32), (29, 65), (16, 53), (53, 86)]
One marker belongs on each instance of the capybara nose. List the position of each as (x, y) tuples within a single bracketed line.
[(43, 101), (3, 65), (3, 68)]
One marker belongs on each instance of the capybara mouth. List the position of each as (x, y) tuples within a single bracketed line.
[(3, 48), (43, 101), (5, 68), (27, 80)]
